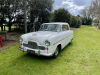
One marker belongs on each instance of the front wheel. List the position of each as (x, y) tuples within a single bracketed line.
[(56, 53)]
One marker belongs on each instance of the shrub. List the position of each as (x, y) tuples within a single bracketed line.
[(86, 21)]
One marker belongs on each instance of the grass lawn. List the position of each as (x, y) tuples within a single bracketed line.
[(82, 57)]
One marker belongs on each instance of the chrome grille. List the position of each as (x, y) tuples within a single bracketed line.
[(41, 48), (34, 45)]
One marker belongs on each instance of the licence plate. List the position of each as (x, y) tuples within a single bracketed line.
[(30, 51)]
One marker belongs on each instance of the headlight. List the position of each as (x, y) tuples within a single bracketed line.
[(21, 40), (47, 43)]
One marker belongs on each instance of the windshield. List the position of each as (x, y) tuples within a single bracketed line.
[(50, 27)]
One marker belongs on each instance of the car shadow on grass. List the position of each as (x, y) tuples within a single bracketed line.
[(33, 56)]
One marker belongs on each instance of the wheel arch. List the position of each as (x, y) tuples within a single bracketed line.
[(59, 46)]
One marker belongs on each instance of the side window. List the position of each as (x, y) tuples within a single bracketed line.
[(65, 27)]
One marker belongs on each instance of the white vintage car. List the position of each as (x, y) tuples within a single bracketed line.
[(48, 41)]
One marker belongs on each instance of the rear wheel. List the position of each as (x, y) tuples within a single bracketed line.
[(70, 42)]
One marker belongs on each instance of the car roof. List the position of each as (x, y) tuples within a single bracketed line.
[(61, 23)]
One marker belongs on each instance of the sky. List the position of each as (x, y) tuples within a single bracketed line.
[(74, 6)]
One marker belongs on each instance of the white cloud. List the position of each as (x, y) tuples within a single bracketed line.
[(72, 7), (82, 2)]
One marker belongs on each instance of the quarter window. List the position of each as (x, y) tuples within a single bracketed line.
[(65, 27)]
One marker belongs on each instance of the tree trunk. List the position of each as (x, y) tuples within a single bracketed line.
[(25, 16), (4, 28), (1, 28), (9, 26)]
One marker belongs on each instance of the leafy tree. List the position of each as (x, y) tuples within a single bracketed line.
[(40, 10), (9, 9), (61, 15), (2, 11), (79, 21), (75, 21), (12, 10)]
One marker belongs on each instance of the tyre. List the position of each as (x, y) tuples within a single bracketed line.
[(56, 52), (70, 42)]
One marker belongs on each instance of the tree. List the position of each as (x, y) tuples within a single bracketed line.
[(79, 21), (95, 11), (40, 10), (92, 12), (35, 9), (75, 21), (9, 10), (25, 15), (86, 17), (61, 15), (2, 15)]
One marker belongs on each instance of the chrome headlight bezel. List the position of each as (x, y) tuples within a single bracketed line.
[(47, 43), (21, 39)]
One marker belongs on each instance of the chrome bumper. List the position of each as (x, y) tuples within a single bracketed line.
[(37, 52)]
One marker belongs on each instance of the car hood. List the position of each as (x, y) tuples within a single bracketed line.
[(39, 36)]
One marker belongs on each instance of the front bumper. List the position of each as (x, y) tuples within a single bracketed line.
[(37, 52)]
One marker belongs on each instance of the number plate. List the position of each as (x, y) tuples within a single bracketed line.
[(30, 51)]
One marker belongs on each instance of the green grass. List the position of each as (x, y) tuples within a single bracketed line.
[(82, 57)]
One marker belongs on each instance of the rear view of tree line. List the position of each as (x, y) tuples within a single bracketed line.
[(91, 15), (12, 12)]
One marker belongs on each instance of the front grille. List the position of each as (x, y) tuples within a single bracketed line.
[(34, 45), (41, 48)]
